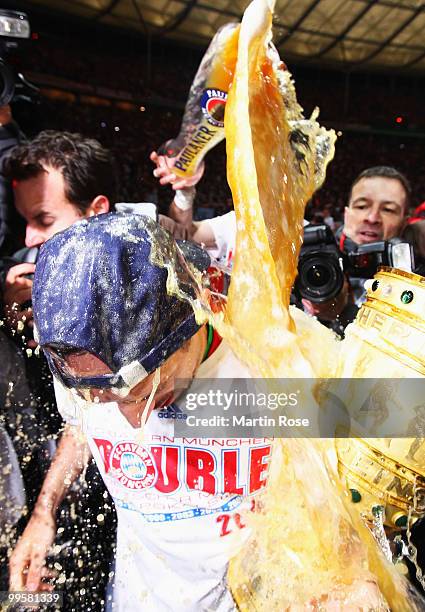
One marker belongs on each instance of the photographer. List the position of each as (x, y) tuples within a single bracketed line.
[(58, 178), (377, 210), (15, 34), (374, 221)]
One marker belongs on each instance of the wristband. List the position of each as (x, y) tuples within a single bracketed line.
[(184, 198)]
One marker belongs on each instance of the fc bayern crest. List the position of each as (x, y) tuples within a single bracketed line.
[(133, 465), (213, 102)]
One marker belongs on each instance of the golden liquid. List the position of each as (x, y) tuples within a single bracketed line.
[(309, 550), (223, 68)]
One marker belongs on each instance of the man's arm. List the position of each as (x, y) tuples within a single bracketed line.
[(181, 208), (200, 232), (183, 217), (28, 559)]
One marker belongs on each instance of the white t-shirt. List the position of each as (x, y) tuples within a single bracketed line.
[(224, 230), (178, 500)]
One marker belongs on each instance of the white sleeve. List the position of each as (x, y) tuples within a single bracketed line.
[(67, 404), (224, 230)]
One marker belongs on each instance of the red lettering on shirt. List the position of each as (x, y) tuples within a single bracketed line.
[(138, 467), (105, 448), (258, 466), (230, 472), (200, 465), (167, 464)]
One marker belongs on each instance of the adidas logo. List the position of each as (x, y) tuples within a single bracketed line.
[(171, 412)]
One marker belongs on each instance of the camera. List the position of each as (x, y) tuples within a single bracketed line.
[(320, 265), (31, 256), (14, 32), (367, 258)]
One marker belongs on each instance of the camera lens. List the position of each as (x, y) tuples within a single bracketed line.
[(320, 278)]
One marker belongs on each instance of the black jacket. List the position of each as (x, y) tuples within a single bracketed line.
[(10, 135)]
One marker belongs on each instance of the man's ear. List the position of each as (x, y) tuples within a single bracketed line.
[(99, 205)]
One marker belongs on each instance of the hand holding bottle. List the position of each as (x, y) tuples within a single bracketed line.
[(203, 121), (164, 172)]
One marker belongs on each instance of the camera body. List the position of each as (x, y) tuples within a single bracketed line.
[(322, 266), (31, 256), (367, 258), (14, 33)]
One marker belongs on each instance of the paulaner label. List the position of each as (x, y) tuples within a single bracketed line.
[(213, 102), (196, 144)]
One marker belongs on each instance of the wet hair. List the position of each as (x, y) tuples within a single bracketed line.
[(385, 172), (88, 169)]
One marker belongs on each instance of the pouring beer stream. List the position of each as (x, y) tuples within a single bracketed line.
[(310, 547)]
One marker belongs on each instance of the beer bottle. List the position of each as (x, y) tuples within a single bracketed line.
[(203, 121)]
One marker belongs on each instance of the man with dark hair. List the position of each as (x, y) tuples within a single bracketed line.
[(377, 210), (377, 206), (57, 178), (385, 172), (60, 169)]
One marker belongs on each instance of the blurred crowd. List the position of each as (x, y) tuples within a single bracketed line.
[(380, 117), (131, 135)]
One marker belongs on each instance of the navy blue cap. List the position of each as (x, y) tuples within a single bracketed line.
[(97, 289)]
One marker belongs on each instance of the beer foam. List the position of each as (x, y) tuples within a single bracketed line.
[(309, 548)]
